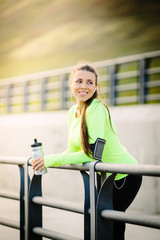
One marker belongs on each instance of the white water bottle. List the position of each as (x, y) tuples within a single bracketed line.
[(36, 153)]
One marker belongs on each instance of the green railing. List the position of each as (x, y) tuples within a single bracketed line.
[(126, 80)]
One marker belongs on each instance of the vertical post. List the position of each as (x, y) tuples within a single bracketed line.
[(22, 212), (113, 83), (143, 78), (104, 228), (26, 186), (25, 97), (9, 98), (34, 210), (64, 91), (43, 94), (93, 198), (86, 206)]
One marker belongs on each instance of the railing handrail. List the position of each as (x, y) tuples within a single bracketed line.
[(141, 169), (124, 80), (109, 214), (59, 205), (13, 160), (64, 70), (143, 220)]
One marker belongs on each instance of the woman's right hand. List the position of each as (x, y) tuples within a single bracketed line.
[(38, 163)]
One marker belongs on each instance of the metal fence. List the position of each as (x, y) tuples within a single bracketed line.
[(126, 80), (97, 201)]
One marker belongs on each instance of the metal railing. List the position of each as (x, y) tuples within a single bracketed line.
[(97, 202), (22, 197), (126, 80)]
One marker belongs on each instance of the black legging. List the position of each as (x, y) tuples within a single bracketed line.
[(124, 192)]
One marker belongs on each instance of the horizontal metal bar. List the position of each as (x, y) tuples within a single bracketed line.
[(128, 74), (153, 97), (104, 90), (34, 89), (36, 76), (59, 205), (34, 97), (51, 105), (17, 91), (66, 70), (146, 170), (128, 99), (53, 95), (13, 196), (17, 99), (53, 84), (153, 83), (77, 167), (154, 70), (137, 219), (52, 234), (127, 87), (12, 160), (139, 169), (9, 223), (104, 78), (127, 59)]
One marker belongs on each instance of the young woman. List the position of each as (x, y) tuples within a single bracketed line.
[(88, 120)]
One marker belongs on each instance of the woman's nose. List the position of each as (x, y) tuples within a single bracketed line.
[(83, 85)]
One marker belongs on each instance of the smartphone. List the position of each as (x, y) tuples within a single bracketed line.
[(98, 148)]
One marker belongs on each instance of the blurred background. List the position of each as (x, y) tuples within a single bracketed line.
[(40, 35)]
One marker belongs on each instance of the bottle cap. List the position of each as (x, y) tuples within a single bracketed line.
[(36, 144)]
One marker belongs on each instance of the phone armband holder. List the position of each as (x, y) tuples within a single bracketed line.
[(97, 148)]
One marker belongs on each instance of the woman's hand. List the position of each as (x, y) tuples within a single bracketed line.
[(38, 163)]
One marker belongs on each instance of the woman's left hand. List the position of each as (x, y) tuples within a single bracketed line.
[(38, 163)]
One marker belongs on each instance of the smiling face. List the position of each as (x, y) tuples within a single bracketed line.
[(83, 85)]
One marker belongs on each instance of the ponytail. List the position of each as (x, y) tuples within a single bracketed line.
[(84, 130)]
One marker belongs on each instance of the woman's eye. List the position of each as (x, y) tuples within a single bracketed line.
[(78, 81), (90, 83)]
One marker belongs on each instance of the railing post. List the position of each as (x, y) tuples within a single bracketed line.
[(143, 78), (104, 228), (26, 187), (86, 206), (22, 211), (93, 198), (9, 98), (25, 97), (43, 94), (34, 210), (64, 84), (113, 83)]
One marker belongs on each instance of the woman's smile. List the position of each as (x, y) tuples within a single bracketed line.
[(83, 93)]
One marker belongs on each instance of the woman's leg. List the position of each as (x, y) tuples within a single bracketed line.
[(124, 192)]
